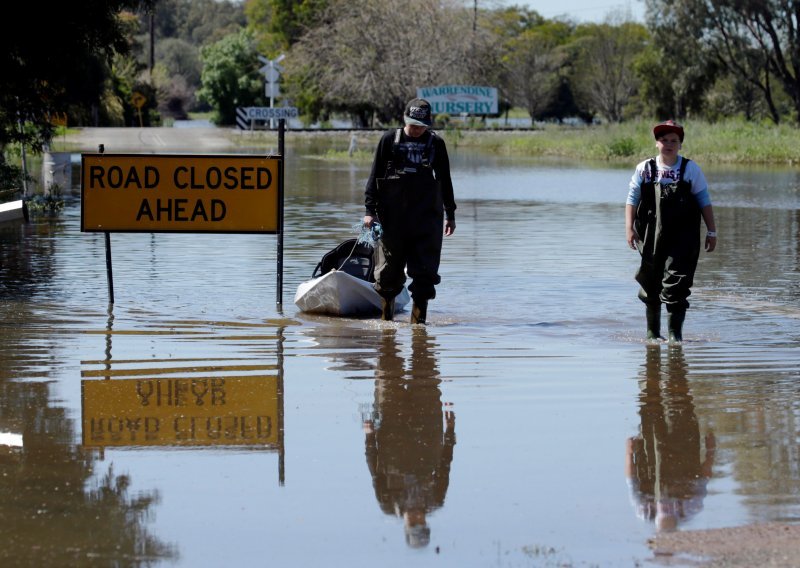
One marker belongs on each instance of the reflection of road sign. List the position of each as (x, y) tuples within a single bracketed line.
[(138, 100), (220, 411)]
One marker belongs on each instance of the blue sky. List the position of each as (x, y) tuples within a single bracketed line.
[(582, 10)]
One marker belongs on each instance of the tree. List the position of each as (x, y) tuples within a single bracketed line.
[(676, 70), (369, 56), (605, 76), (279, 24), (41, 78), (198, 22), (230, 76), (756, 40), (61, 68), (531, 66)]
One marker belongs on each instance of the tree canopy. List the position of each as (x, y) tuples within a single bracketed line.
[(62, 65), (366, 58)]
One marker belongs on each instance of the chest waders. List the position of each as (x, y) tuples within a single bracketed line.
[(411, 211), (668, 224)]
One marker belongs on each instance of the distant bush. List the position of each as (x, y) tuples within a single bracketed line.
[(622, 147)]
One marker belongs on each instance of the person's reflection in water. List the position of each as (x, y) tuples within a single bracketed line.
[(409, 446), (663, 463)]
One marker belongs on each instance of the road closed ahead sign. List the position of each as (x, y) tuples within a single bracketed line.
[(181, 193)]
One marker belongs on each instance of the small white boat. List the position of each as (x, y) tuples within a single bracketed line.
[(14, 211), (339, 293)]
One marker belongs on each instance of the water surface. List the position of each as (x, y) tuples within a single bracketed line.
[(527, 425)]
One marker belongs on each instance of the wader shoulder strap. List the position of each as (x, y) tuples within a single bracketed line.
[(684, 163), (390, 165), (650, 195)]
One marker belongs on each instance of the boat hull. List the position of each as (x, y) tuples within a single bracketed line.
[(338, 293)]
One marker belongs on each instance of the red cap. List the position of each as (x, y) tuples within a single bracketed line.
[(666, 127)]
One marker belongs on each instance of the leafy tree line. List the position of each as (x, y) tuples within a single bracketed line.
[(701, 58), (364, 58)]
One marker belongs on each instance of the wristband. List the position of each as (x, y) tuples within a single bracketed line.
[(711, 234)]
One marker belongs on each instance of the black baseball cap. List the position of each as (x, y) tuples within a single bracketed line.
[(418, 112)]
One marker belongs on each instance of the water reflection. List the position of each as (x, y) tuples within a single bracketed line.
[(668, 464), (52, 514), (409, 438), (189, 401)]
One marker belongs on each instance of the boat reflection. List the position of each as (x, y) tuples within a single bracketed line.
[(665, 471), (409, 437)]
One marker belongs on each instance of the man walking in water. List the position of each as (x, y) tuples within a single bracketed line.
[(667, 195), (410, 192)]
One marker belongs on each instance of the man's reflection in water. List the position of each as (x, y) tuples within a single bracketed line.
[(409, 446), (663, 463)]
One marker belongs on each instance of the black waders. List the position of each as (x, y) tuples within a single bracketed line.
[(387, 309), (675, 319), (654, 321), (419, 312)]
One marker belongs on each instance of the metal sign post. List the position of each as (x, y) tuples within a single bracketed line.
[(272, 72), (279, 283), (230, 193)]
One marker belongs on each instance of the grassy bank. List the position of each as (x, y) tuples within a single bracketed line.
[(733, 142), (730, 142)]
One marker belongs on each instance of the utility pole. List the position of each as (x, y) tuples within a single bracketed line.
[(153, 41)]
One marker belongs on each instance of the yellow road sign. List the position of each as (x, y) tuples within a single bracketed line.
[(229, 411), (181, 193), (138, 99)]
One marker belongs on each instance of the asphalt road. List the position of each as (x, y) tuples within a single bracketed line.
[(116, 140)]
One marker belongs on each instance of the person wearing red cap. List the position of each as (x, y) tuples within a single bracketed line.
[(410, 192), (667, 196)]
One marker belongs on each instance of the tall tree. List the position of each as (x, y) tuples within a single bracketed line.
[(605, 75), (532, 62), (369, 56), (757, 40), (63, 63), (230, 76), (676, 70), (279, 24)]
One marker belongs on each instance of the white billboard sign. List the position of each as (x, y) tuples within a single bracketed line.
[(460, 99)]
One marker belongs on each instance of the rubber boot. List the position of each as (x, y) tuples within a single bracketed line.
[(654, 322), (419, 312), (675, 325), (387, 309)]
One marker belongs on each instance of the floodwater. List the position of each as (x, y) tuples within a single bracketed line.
[(197, 423)]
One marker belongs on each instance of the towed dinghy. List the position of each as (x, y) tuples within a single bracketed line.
[(338, 293), (341, 284)]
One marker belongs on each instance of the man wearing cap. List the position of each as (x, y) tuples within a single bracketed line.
[(410, 192), (667, 196)]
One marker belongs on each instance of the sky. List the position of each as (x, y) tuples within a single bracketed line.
[(582, 10)]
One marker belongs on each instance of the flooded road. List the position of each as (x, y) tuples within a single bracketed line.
[(527, 425)]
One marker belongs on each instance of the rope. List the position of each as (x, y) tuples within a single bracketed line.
[(367, 235)]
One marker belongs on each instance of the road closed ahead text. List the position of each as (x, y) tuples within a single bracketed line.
[(180, 193)]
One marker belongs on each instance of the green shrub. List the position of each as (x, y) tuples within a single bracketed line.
[(622, 147)]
